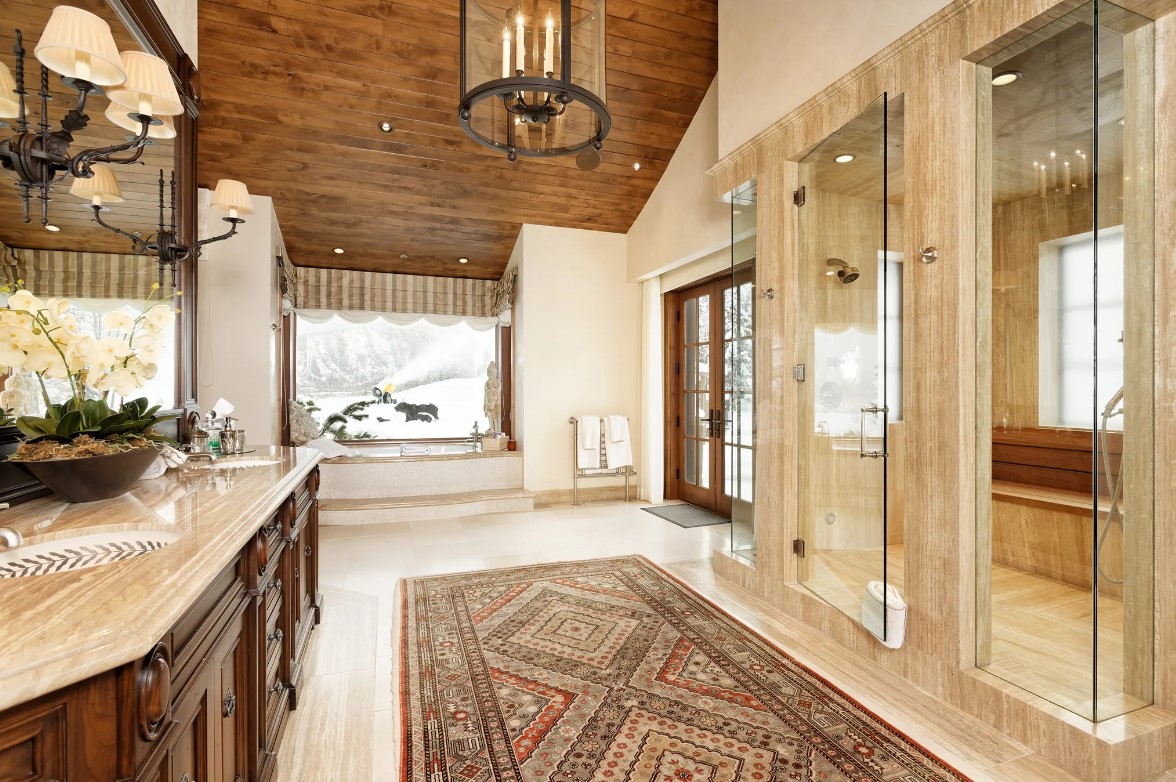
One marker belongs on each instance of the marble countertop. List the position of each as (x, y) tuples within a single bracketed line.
[(62, 628)]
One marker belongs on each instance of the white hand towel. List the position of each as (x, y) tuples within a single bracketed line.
[(618, 428), (590, 432), (588, 454), (618, 450)]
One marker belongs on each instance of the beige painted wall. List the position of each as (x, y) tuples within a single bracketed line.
[(682, 220), (181, 18), (239, 306), (577, 345), (776, 54)]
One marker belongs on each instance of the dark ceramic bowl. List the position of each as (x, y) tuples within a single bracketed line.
[(93, 477)]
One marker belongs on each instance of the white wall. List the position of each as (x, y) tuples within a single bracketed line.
[(776, 54), (576, 345), (239, 307), (682, 220), (180, 16)]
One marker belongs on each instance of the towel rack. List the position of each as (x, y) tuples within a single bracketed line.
[(604, 471)]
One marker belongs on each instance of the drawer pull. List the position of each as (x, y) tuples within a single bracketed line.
[(186, 778), (276, 687), (306, 550), (275, 584), (273, 526), (230, 706), (276, 635)]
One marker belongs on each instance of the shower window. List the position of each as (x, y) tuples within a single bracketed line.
[(413, 378), (1066, 313)]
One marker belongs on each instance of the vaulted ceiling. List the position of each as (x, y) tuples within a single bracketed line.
[(294, 92)]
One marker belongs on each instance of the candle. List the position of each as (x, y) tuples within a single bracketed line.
[(1053, 169), (1083, 171), (1041, 180), (1066, 176), (520, 43), (506, 52), (548, 57)]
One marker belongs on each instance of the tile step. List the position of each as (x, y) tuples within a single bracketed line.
[(381, 510)]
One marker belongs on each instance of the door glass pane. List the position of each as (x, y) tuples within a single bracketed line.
[(704, 318), (690, 467), (1066, 300), (690, 408), (690, 366), (690, 321), (703, 366), (846, 228)]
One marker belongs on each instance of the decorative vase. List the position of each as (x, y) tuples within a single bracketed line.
[(93, 478)]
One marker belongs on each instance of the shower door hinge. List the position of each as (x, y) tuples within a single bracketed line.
[(798, 373), (798, 196), (798, 547)]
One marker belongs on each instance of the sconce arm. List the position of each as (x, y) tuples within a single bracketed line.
[(80, 165), (194, 249), (138, 245)]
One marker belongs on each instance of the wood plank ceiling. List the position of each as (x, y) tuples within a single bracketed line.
[(138, 181), (294, 91)]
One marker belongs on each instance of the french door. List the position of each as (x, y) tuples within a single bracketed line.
[(706, 338)]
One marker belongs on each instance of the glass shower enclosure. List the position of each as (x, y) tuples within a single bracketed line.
[(1066, 361)]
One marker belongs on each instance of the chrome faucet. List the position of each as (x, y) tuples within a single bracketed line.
[(476, 436), (8, 536)]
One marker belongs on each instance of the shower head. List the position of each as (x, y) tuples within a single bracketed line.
[(842, 270)]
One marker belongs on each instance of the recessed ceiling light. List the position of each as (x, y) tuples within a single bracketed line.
[(53, 228), (843, 158), (1005, 77), (463, 260), (385, 127), (404, 256), (338, 251), (636, 166)]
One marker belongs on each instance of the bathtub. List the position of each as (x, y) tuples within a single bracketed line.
[(384, 482)]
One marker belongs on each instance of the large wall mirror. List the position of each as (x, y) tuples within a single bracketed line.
[(1066, 305), (72, 257)]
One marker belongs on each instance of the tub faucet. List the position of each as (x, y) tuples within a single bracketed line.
[(477, 437)]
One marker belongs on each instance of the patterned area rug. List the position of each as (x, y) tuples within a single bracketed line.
[(612, 671)]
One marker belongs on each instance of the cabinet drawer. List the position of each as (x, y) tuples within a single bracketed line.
[(32, 746)]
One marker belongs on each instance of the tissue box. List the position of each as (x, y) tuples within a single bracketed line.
[(895, 611), (494, 443)]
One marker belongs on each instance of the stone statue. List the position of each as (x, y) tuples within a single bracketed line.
[(492, 406), (16, 398)]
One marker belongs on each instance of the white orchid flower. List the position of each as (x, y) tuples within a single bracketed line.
[(117, 320)]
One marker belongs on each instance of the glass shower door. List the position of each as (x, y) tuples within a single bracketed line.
[(843, 369)]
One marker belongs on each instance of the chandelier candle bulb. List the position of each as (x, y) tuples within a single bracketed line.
[(520, 43), (506, 52), (548, 47)]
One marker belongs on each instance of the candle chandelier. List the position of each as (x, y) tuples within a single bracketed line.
[(533, 77), (166, 244), (79, 47)]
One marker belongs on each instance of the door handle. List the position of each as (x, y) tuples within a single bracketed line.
[(872, 410)]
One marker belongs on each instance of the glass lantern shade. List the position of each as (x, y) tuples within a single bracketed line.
[(533, 75)]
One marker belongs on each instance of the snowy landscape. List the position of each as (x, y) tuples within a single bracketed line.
[(340, 363)]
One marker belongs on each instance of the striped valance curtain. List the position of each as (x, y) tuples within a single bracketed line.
[(79, 275), (342, 290)]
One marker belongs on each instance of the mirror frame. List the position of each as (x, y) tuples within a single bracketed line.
[(146, 24)]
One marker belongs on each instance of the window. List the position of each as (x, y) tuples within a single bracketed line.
[(1069, 306), (417, 378)]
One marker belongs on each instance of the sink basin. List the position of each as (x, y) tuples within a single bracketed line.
[(234, 464), (84, 551)]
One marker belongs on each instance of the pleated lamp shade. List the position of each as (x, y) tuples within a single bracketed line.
[(233, 197), (148, 88), (78, 45), (121, 116), (9, 103), (98, 189)]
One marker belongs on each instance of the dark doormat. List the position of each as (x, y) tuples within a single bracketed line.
[(686, 515)]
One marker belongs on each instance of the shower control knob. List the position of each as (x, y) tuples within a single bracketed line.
[(928, 254)]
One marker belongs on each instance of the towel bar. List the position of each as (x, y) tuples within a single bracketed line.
[(604, 472)]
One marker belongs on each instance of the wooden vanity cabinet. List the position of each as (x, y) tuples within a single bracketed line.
[(209, 702)]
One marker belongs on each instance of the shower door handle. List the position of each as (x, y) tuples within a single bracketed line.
[(872, 410)]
